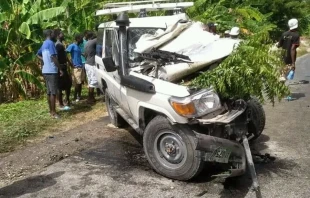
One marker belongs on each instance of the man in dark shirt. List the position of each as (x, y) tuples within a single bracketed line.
[(65, 81), (90, 53), (289, 42), (211, 27)]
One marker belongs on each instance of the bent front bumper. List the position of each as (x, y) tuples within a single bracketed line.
[(222, 151)]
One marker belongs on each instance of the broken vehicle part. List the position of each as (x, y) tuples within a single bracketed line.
[(251, 166), (223, 151)]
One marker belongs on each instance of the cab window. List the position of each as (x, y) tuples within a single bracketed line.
[(99, 42), (111, 45)]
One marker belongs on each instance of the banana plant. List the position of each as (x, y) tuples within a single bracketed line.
[(20, 38)]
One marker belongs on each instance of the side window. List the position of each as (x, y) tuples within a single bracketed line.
[(108, 43), (111, 45), (99, 42)]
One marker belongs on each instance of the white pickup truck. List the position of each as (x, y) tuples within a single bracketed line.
[(140, 70)]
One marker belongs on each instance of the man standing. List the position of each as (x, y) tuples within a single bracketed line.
[(82, 46), (98, 53), (90, 53), (212, 27), (226, 34), (234, 32), (289, 42), (65, 81), (48, 54), (76, 61)]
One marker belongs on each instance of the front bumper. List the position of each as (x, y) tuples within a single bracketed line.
[(224, 151)]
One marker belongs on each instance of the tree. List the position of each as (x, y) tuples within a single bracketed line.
[(22, 20)]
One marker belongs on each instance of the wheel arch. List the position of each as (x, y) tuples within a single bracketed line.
[(146, 114)]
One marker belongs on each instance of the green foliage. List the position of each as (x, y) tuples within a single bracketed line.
[(253, 15), (252, 70), (22, 120), (22, 23), (19, 40), (282, 11)]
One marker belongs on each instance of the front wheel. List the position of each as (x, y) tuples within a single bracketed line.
[(258, 119), (171, 150)]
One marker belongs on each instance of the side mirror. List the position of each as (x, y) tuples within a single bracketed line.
[(109, 64)]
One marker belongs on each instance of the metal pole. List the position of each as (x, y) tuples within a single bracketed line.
[(251, 167), (123, 21)]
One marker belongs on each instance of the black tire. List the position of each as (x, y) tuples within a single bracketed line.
[(186, 164), (115, 118), (258, 120)]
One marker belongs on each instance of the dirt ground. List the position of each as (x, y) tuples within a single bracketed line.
[(96, 160)]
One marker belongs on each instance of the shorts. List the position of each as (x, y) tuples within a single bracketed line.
[(65, 81), (78, 75), (91, 76), (51, 81)]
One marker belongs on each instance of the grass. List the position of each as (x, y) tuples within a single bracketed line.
[(24, 120)]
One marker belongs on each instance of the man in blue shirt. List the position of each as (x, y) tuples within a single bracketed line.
[(47, 53), (78, 69)]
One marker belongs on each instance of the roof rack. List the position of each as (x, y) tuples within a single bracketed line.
[(127, 3), (133, 7)]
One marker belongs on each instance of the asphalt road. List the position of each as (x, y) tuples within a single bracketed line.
[(117, 167)]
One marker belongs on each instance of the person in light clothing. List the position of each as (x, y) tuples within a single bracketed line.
[(48, 54), (90, 53), (234, 32)]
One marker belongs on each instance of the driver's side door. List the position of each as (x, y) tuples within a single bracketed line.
[(112, 50)]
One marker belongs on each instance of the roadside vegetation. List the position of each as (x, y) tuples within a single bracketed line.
[(26, 119), (251, 70)]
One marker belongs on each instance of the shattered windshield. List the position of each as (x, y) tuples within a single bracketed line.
[(134, 35)]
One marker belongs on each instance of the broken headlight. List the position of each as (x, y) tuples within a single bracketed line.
[(196, 105)]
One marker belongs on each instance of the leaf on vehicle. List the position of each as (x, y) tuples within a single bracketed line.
[(251, 70)]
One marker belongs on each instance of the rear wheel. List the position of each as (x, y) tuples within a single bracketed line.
[(115, 118), (171, 150), (258, 119)]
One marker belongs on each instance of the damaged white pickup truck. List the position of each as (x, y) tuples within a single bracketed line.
[(141, 69)]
